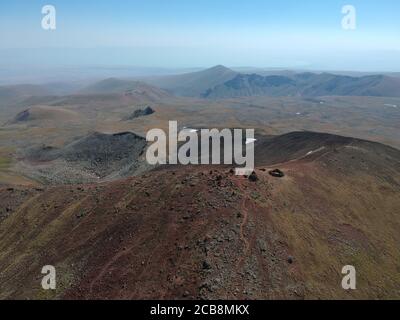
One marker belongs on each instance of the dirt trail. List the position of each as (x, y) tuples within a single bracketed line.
[(243, 238), (244, 211), (107, 266)]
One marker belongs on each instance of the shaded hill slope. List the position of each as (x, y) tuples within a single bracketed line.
[(306, 144), (306, 84), (194, 84), (39, 113), (87, 159)]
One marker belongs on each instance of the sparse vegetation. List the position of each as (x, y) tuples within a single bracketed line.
[(4, 163), (318, 198)]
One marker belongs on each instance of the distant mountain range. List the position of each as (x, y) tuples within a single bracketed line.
[(220, 82), (306, 84)]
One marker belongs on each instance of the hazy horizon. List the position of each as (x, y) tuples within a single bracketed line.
[(181, 34), (11, 75)]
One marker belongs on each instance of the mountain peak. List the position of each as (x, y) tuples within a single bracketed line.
[(220, 67)]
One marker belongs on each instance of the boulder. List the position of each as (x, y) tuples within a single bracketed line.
[(276, 173), (253, 177)]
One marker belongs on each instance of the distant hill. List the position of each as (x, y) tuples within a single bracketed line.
[(141, 112), (329, 84), (126, 87), (194, 84), (306, 84), (16, 93), (250, 85), (89, 158), (45, 113)]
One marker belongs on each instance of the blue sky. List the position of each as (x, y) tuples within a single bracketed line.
[(189, 33)]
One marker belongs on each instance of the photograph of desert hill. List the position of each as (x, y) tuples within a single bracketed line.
[(84, 213)]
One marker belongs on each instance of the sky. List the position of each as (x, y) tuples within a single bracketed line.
[(201, 33)]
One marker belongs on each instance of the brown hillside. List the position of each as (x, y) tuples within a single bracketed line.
[(202, 232)]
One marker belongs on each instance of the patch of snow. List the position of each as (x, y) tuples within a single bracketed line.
[(190, 130), (313, 151), (250, 141)]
